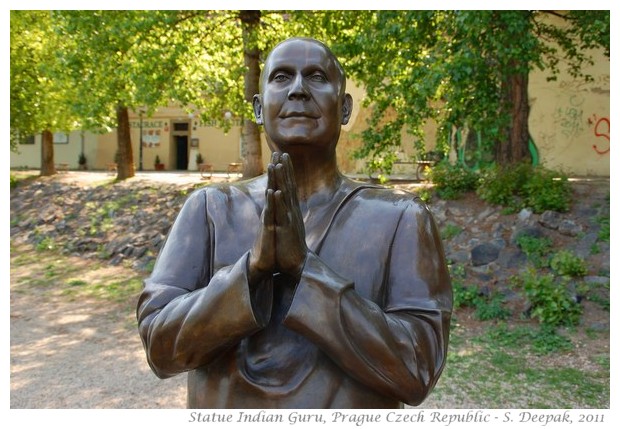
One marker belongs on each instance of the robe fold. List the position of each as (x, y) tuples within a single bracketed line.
[(366, 325)]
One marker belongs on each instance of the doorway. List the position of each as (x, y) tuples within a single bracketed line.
[(182, 150)]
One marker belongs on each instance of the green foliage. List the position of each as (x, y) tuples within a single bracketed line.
[(566, 263), (536, 249), (45, 243), (449, 231), (41, 94), (452, 66), (14, 182), (603, 302), (550, 300), (425, 194), (541, 340), (486, 307), (463, 296), (523, 185), (547, 190), (603, 222), (491, 307), (451, 181), (503, 185)]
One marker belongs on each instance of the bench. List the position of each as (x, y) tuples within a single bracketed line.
[(423, 168), (206, 170), (235, 168), (62, 167)]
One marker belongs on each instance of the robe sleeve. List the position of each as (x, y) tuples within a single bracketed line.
[(186, 319), (397, 348)]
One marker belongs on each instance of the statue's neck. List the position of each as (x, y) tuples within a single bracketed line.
[(316, 178)]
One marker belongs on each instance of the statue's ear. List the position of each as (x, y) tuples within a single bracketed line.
[(258, 109), (347, 108)]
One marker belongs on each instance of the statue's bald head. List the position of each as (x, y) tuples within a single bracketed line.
[(300, 42)]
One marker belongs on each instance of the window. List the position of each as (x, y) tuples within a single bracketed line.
[(27, 139), (61, 138), (181, 126)]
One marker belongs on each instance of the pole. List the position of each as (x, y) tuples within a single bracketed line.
[(140, 165)]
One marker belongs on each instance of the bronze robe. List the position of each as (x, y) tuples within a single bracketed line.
[(366, 326)]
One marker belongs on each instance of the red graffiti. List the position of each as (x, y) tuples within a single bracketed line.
[(601, 129)]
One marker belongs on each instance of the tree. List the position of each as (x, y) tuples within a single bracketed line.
[(206, 61), (105, 56), (223, 61), (39, 90), (464, 69)]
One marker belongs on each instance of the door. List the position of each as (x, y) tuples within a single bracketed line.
[(182, 150)]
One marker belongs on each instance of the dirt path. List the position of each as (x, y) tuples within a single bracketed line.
[(80, 353)]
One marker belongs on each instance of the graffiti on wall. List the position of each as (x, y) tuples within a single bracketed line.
[(570, 117), (600, 128)]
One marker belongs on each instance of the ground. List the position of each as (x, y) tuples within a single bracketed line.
[(78, 347)]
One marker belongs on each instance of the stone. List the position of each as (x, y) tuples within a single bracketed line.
[(529, 231), (458, 257), (525, 214), (511, 258), (583, 248), (570, 228), (484, 253), (550, 219), (596, 280)]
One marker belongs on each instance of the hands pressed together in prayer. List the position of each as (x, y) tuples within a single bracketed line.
[(280, 246)]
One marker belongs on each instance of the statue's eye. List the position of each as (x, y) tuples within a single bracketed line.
[(318, 77), (280, 77)]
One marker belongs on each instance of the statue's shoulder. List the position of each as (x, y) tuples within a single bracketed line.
[(392, 196), (239, 190)]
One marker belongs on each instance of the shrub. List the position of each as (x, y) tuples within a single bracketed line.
[(536, 249), (491, 307), (547, 190), (523, 185), (550, 300), (565, 263), (449, 231), (502, 185), (603, 233), (463, 296), (451, 181)]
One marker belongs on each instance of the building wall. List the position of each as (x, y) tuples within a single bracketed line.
[(569, 123)]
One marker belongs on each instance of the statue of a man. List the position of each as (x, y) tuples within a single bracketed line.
[(300, 288)]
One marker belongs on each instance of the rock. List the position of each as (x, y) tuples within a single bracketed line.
[(511, 258), (458, 257), (583, 248), (484, 253), (568, 227), (498, 229), (550, 219), (529, 231), (596, 280), (525, 214)]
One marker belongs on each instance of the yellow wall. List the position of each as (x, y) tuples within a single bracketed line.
[(569, 123), (29, 155), (569, 120)]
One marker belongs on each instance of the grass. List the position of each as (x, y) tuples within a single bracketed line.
[(503, 366), (49, 272), (499, 364)]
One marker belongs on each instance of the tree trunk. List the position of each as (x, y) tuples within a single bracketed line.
[(250, 134), (513, 147), (47, 154), (124, 162)]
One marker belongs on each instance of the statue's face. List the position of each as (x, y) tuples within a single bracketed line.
[(300, 102)]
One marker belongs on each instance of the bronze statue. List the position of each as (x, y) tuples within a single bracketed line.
[(300, 288)]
